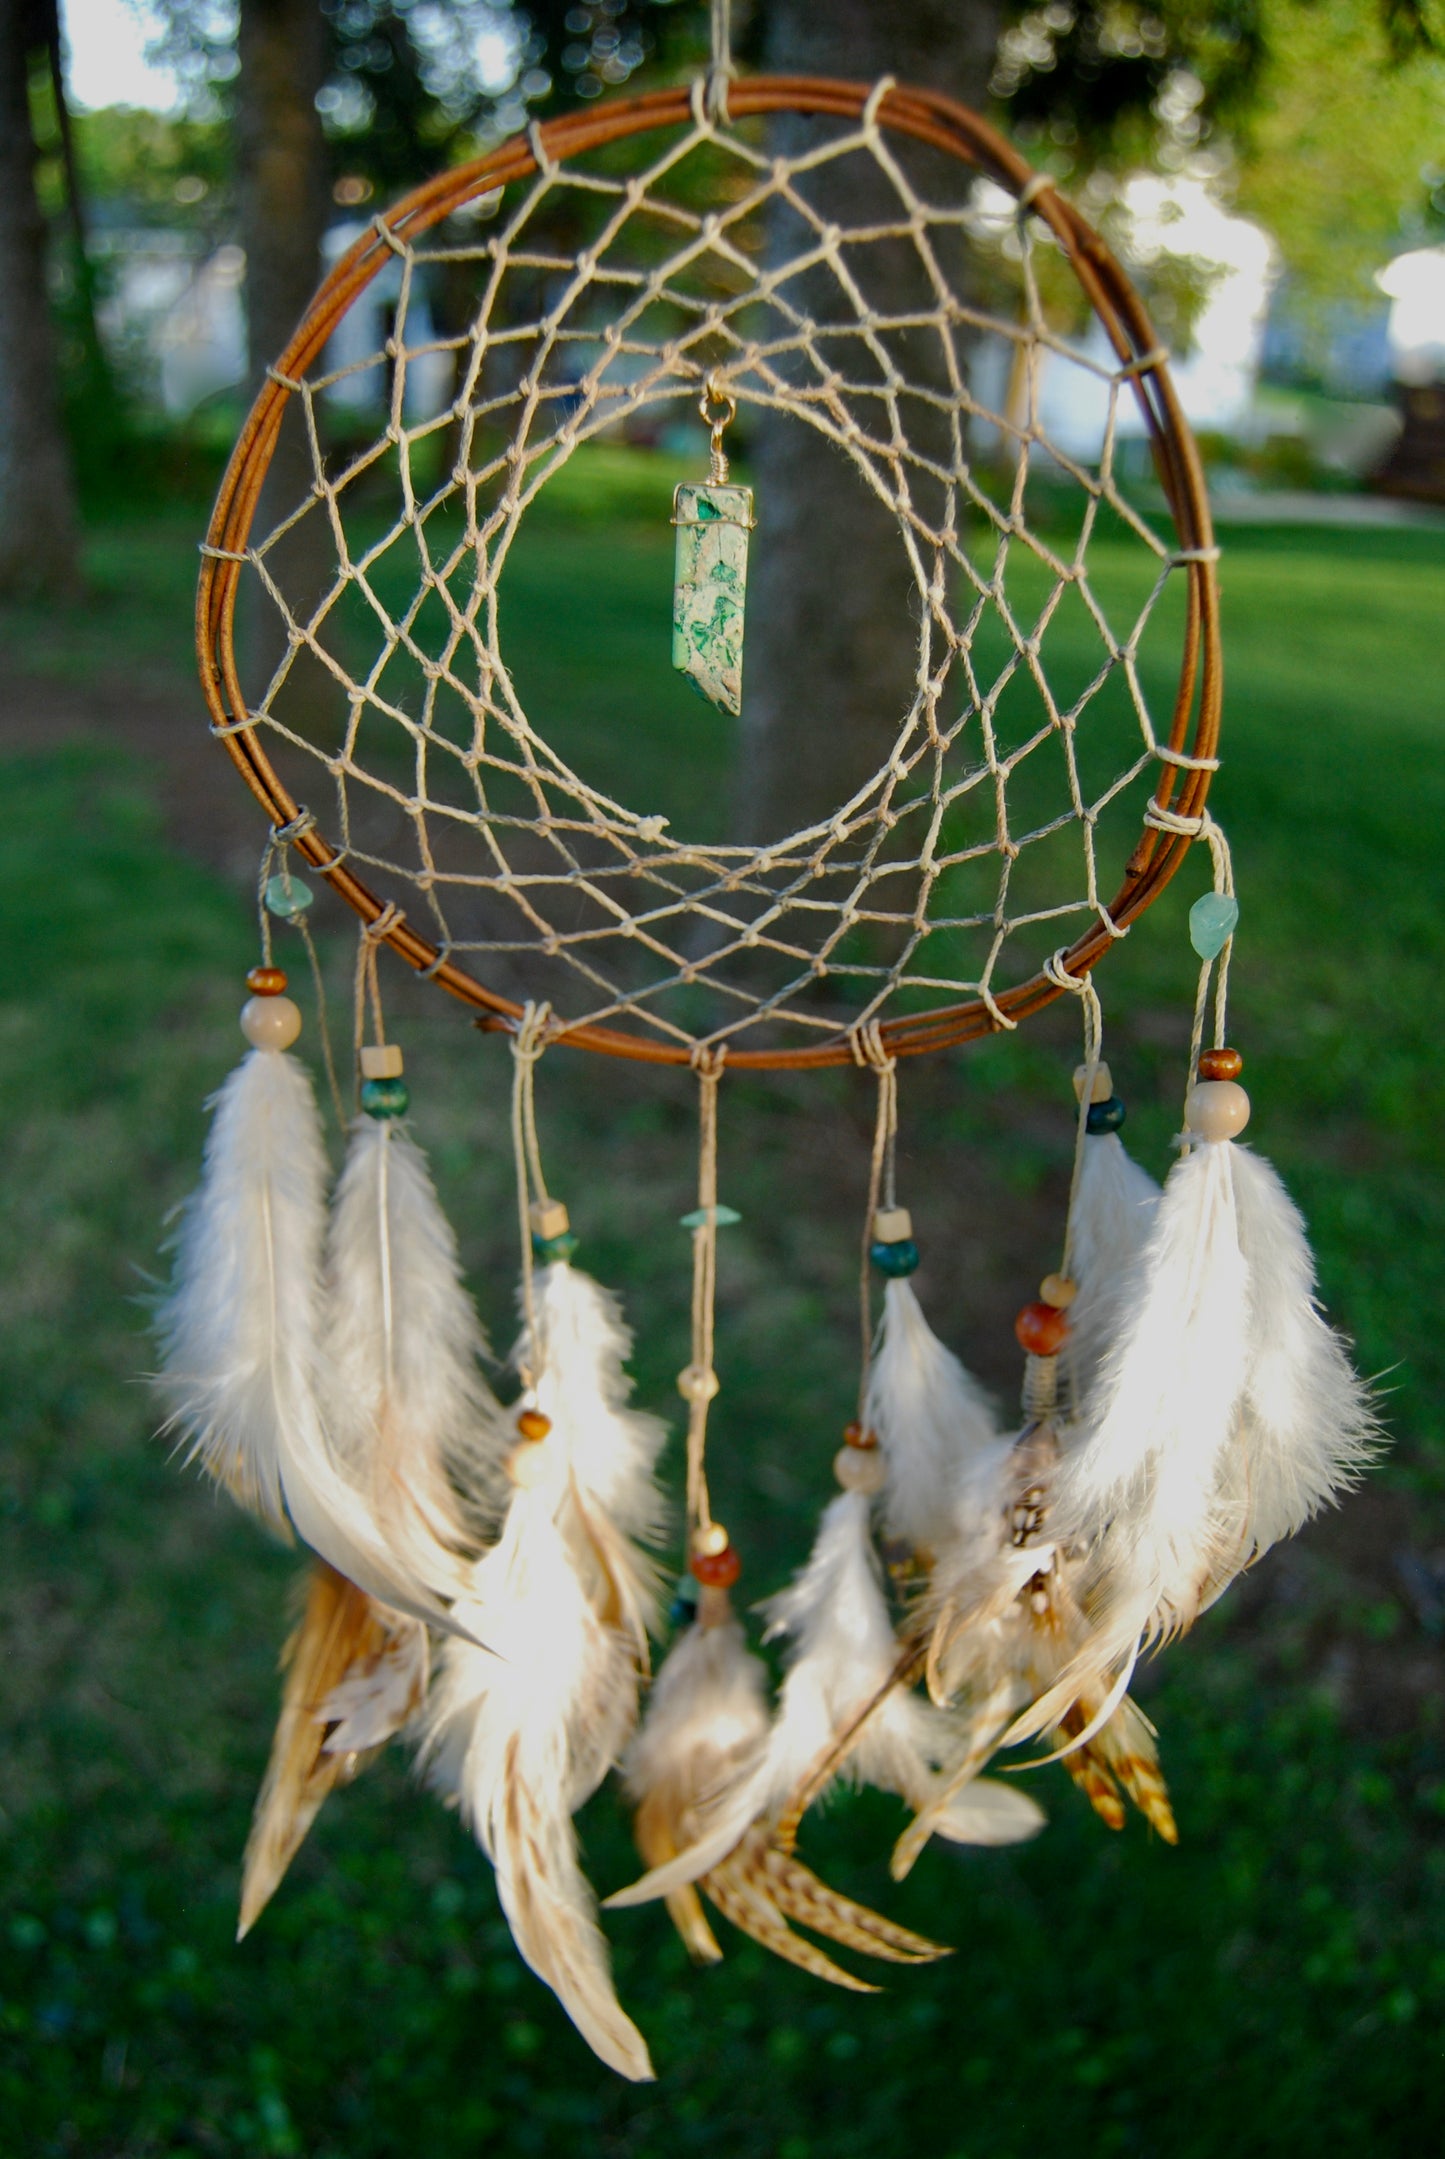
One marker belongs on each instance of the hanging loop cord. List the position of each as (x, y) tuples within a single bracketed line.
[(531, 1038), (699, 1383), (720, 70), (1223, 863), (869, 1052), (1082, 987)]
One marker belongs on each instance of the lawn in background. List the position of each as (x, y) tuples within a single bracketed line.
[(1274, 1986)]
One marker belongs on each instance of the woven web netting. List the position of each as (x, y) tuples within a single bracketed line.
[(573, 836)]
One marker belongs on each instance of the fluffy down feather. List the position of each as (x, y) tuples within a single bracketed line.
[(405, 1399), (240, 1332), (930, 1416), (699, 1764), (1112, 1215), (604, 1451), (520, 1739), (843, 1655)]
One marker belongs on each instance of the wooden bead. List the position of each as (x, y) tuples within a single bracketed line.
[(270, 1023), (548, 1218), (381, 1061), (709, 1539), (858, 1470), (1059, 1291), (533, 1425), (696, 1383), (1041, 1329), (717, 1570), (1216, 1109), (1220, 1065), (266, 981), (859, 1435), (1103, 1085), (892, 1225)]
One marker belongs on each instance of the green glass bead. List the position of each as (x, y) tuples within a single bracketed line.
[(1106, 1116), (385, 1098), (895, 1260), (683, 1609), (287, 896), (547, 1249), (724, 1217), (1212, 921)]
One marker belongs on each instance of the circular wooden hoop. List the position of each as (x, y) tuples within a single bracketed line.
[(929, 118)]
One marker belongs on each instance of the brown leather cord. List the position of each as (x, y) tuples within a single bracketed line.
[(927, 117)]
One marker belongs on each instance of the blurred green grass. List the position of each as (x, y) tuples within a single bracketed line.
[(1275, 1986)]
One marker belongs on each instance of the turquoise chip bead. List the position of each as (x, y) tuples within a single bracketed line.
[(724, 1217), (895, 1259), (287, 896), (385, 1098), (1212, 921), (1105, 1116), (546, 1249)]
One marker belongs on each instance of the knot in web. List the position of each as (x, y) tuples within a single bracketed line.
[(839, 261)]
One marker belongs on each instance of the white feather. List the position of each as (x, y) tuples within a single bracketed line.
[(703, 1746), (1113, 1213), (1309, 1424), (240, 1331), (605, 1452), (405, 1399), (1167, 1403), (842, 1652), (520, 1739), (930, 1416), (990, 1813)]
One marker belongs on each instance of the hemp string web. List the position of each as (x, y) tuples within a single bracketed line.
[(601, 298)]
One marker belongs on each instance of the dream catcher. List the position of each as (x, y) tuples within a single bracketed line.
[(486, 1578)]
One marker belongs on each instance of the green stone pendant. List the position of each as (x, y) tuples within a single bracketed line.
[(709, 586), (710, 577)]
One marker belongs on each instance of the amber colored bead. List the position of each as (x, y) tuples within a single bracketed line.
[(269, 982), (533, 1425), (1220, 1064), (717, 1570), (859, 1435), (1041, 1329)]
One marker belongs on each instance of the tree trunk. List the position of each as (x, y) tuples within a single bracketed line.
[(281, 161), (39, 528), (833, 612)]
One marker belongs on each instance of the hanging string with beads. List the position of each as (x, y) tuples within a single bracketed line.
[(1213, 964), (698, 1382), (882, 1182), (528, 1043)]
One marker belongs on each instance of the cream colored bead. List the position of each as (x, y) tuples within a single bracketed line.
[(860, 1469), (548, 1218), (710, 1539), (892, 1225), (270, 1023), (381, 1060), (1059, 1291), (1103, 1085), (527, 1464), (1217, 1109), (697, 1383)]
